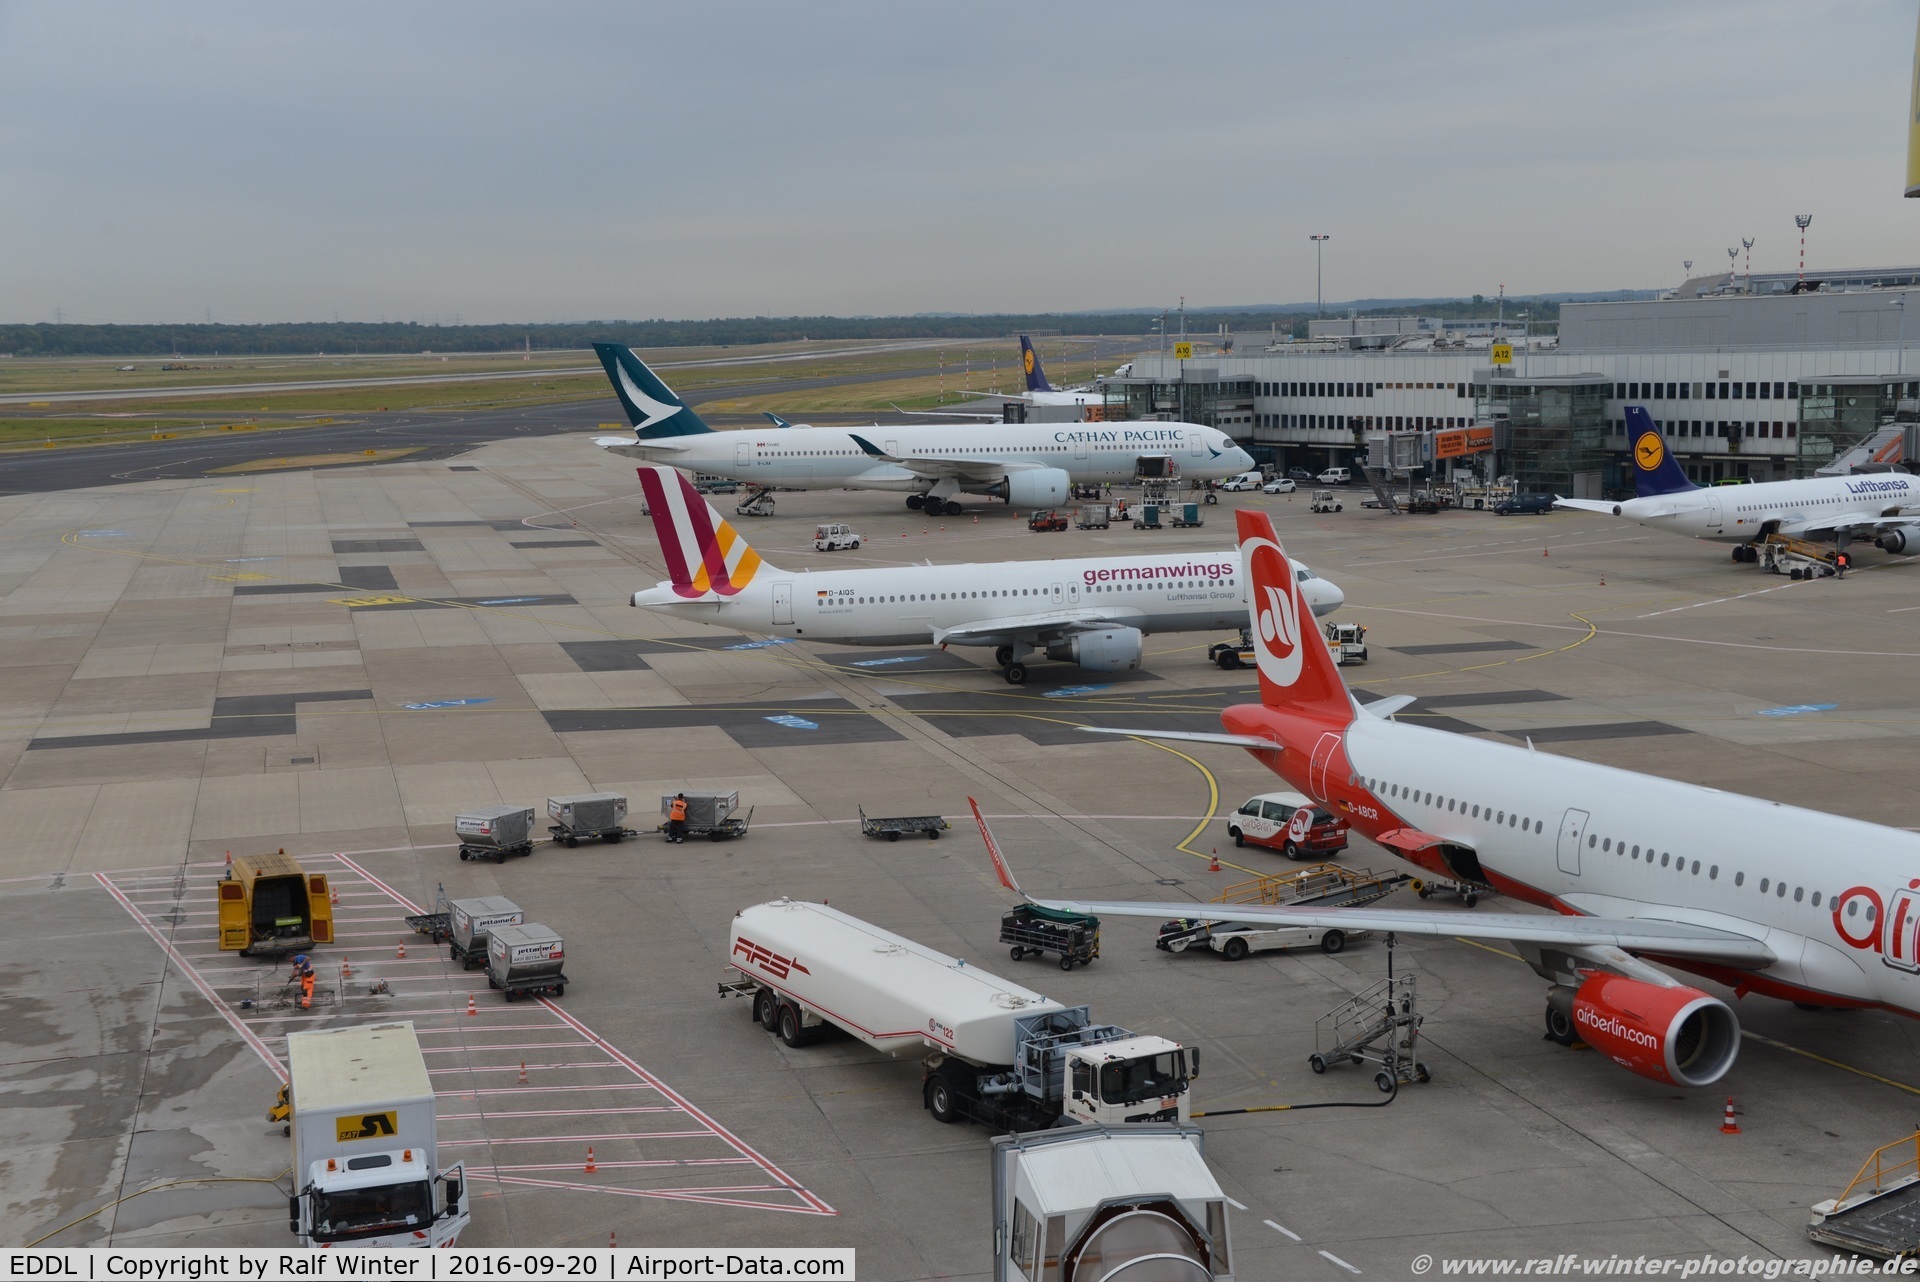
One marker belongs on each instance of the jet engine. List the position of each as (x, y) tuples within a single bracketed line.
[(1040, 487), (1100, 650), (1900, 539), (1675, 1035)]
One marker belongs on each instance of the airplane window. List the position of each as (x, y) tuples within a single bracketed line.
[(1636, 852), (1816, 899), (1450, 805), (1797, 892), (1871, 912), (1502, 817), (1780, 891), (1539, 825), (1591, 840), (1696, 868), (1607, 845), (1740, 879), (1512, 820), (1713, 873), (1664, 858), (1763, 885)]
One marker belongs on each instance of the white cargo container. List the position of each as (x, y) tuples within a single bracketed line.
[(993, 1051), (364, 1143)]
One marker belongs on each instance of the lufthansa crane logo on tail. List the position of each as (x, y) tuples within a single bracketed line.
[(1276, 639), (1026, 358), (654, 411), (1649, 451)]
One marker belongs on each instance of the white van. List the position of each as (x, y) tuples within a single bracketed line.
[(1244, 481), (1288, 822), (1335, 476)]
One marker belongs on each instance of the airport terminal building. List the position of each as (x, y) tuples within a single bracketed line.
[(1765, 385)]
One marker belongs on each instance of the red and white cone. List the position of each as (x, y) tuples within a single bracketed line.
[(523, 1072), (400, 953), (333, 895), (613, 1240), (591, 1168), (1213, 865), (1728, 1126), (471, 1008), (1544, 552), (346, 970)]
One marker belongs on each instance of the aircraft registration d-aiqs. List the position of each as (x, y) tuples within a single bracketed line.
[(1090, 611), (1764, 897), (1030, 465)]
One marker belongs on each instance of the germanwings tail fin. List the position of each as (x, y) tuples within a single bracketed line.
[(650, 404), (1654, 469), (1030, 363), (1296, 669), (702, 551)]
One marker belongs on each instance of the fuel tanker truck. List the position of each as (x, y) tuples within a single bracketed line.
[(993, 1052)]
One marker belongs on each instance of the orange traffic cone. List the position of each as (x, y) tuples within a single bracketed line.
[(1544, 552), (471, 1008), (1213, 865), (976, 520), (346, 970), (400, 953), (333, 896), (613, 1240), (1603, 580), (229, 863), (523, 1072), (591, 1167), (943, 527), (1727, 1125)]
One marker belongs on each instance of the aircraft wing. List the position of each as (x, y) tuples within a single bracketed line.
[(1032, 628), (651, 451), (982, 415), (1632, 935), (1192, 736), (1588, 505), (967, 469), (1861, 527)]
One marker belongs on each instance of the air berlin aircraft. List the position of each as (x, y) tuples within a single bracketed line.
[(1764, 897)]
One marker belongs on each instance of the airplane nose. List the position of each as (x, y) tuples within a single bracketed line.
[(1331, 597)]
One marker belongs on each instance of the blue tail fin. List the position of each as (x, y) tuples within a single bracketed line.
[(1030, 362), (651, 406), (1654, 468)]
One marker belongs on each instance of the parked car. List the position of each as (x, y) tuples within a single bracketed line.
[(1288, 822), (1279, 485), (1244, 481), (1299, 474), (1525, 505), (1335, 476), (1051, 519)]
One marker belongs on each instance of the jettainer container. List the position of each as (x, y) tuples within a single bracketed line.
[(993, 1051)]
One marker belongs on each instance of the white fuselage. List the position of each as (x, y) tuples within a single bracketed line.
[(818, 458), (1742, 513), (1833, 897), (906, 605)]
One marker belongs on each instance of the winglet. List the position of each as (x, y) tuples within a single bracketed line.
[(1000, 868)]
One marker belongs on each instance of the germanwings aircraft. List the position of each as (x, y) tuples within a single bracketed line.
[(1029, 465), (1875, 506), (1765, 897), (1092, 611)]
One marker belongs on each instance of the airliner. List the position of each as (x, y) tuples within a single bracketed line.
[(1090, 611), (1880, 507), (1764, 897), (1029, 465), (1039, 390)]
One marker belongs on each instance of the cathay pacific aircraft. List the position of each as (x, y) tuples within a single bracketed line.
[(1030, 465), (1882, 508)]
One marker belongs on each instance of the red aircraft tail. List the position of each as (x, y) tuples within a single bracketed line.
[(1297, 671)]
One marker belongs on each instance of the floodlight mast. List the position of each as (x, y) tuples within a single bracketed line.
[(1319, 305), (1746, 243), (1802, 221)]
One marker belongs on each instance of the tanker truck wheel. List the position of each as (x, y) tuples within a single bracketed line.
[(790, 1030), (766, 1009), (940, 1100)]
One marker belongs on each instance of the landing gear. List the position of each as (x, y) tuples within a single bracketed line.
[(916, 501), (1003, 656), (949, 508), (1015, 673)]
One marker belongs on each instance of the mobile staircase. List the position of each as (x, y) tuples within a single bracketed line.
[(1878, 1214)]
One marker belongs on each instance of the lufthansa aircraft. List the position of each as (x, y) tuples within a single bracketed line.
[(1880, 507), (1764, 897), (1029, 465), (1091, 611)]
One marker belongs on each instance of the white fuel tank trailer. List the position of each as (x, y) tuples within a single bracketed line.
[(993, 1051)]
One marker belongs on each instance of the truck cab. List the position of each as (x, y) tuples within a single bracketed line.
[(1288, 822), (1136, 1079), (374, 1199)]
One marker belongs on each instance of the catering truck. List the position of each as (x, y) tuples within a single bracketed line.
[(364, 1146), (993, 1052)]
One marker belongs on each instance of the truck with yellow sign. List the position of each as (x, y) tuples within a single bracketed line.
[(364, 1143), (269, 905)]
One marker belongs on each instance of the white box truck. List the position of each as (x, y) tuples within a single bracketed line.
[(364, 1147), (994, 1052)]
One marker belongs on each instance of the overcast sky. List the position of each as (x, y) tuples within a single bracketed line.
[(514, 162)]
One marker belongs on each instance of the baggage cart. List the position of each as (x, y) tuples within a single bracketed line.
[(471, 921), (591, 815), (1093, 516), (494, 832), (1148, 517), (710, 814), (1073, 938), (437, 924), (526, 959), (1186, 516), (891, 828)]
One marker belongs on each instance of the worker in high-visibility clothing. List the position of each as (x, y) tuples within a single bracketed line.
[(677, 817)]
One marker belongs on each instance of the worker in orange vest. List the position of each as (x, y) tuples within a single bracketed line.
[(677, 818), (1841, 561)]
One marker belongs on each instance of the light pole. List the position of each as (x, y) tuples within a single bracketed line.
[(1900, 357), (1802, 221), (1318, 303)]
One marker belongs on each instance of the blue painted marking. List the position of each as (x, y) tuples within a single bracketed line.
[(241, 560), (444, 703), (760, 645), (1794, 710), (106, 534), (510, 600), (880, 663), (1074, 692), (794, 723)]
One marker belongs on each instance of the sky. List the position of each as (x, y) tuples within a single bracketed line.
[(494, 162)]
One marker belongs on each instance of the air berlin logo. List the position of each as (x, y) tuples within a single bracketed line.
[(1302, 824), (1276, 639)]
